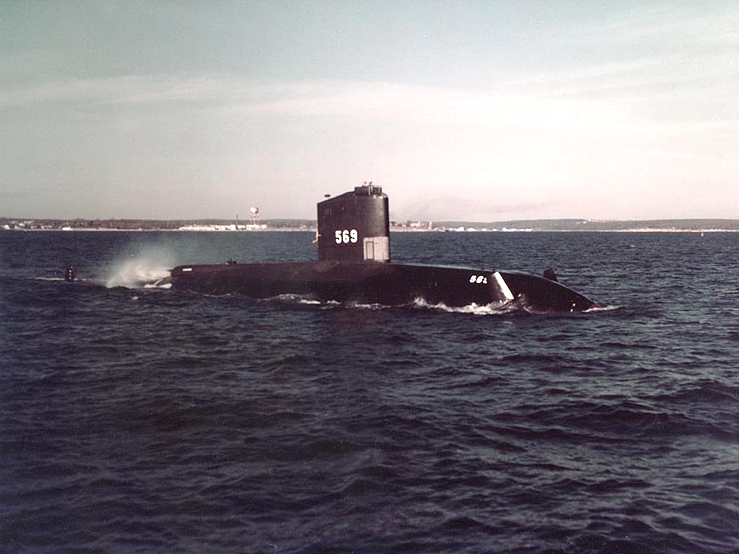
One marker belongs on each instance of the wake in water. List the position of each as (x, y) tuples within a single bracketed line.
[(494, 308), (518, 306)]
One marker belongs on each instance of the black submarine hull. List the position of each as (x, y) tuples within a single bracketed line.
[(389, 284), (353, 239)]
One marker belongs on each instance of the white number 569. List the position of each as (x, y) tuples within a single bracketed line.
[(346, 236)]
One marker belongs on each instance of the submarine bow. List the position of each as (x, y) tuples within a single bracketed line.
[(354, 266)]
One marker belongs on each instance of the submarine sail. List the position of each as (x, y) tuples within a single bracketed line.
[(355, 226), (354, 266)]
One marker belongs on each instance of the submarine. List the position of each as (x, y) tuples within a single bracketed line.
[(354, 265)]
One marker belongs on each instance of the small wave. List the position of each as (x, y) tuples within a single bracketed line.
[(419, 303), (494, 308), (301, 300), (161, 284), (609, 308), (368, 306)]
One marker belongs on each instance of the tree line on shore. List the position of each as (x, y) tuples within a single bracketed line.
[(309, 225)]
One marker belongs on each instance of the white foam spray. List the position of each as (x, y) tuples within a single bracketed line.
[(147, 269)]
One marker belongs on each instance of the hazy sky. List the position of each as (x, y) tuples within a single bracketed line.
[(486, 110)]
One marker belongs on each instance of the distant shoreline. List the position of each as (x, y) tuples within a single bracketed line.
[(392, 230), (703, 225)]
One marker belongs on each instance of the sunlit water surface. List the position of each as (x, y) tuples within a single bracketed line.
[(136, 418)]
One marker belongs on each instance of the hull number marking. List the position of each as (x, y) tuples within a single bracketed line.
[(346, 236), (479, 279)]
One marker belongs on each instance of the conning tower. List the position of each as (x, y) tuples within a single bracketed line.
[(355, 226)]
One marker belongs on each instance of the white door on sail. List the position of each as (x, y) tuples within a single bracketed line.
[(377, 249)]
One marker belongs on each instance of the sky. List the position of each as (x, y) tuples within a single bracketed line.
[(461, 110)]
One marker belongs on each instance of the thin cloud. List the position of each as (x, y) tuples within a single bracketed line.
[(609, 121), (665, 27), (129, 89)]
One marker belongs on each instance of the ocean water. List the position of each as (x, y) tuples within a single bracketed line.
[(136, 418)]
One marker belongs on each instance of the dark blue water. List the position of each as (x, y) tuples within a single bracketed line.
[(141, 419)]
